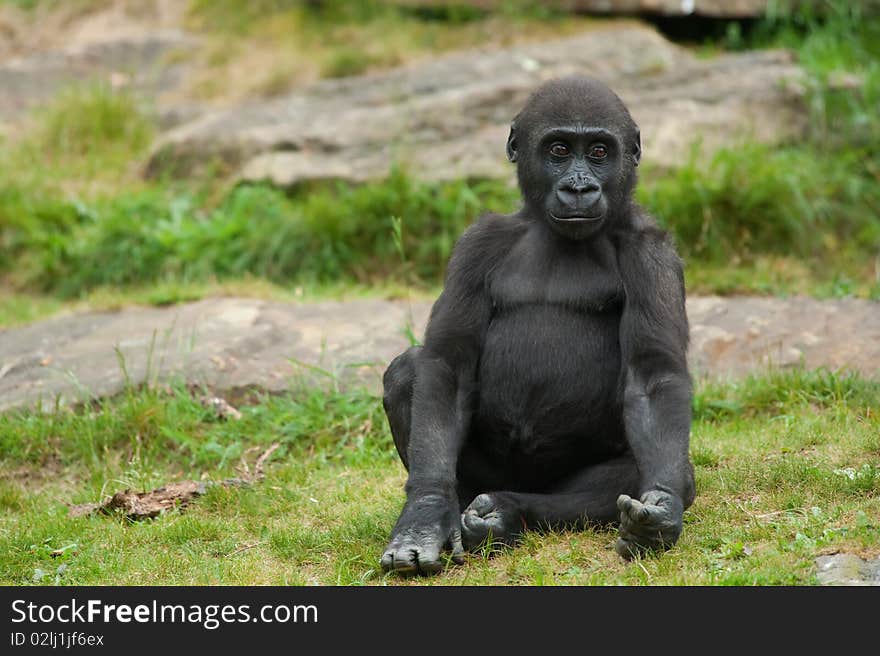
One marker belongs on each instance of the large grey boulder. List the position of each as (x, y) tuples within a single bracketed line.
[(234, 344), (448, 117)]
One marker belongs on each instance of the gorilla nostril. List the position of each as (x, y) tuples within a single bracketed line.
[(579, 187)]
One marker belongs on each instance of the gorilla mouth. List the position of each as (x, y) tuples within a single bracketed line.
[(575, 218)]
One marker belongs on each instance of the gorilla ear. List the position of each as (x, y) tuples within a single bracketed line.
[(511, 143), (637, 147)]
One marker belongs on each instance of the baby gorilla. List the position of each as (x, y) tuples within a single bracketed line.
[(552, 389)]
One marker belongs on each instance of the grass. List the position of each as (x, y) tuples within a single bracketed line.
[(786, 471), (735, 237)]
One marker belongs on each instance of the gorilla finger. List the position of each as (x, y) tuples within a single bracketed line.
[(430, 568), (457, 548), (474, 530), (427, 561), (635, 510), (658, 498), (642, 512), (400, 561), (482, 504), (472, 522), (627, 549)]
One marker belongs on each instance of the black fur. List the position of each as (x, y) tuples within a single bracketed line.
[(552, 388)]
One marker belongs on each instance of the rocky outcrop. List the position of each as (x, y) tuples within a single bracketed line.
[(712, 8), (448, 117), (136, 45), (732, 9), (233, 344), (137, 63)]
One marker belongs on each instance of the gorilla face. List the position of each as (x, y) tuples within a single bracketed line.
[(576, 149), (578, 168)]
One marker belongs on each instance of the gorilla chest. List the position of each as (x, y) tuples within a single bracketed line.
[(550, 363)]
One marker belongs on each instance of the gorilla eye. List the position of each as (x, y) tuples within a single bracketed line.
[(598, 152), (559, 150)]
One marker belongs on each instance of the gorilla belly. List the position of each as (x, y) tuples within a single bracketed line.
[(548, 384)]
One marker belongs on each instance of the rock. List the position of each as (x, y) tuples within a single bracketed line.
[(226, 344), (232, 344), (707, 8), (136, 63), (730, 336), (848, 569), (711, 340), (448, 117), (713, 8)]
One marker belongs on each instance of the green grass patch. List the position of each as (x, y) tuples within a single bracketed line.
[(786, 470), (770, 235), (325, 235), (763, 200)]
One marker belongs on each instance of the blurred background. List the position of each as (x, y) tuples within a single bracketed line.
[(157, 151)]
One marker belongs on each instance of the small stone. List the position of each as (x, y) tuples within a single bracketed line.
[(845, 81), (848, 569), (223, 409), (809, 339), (791, 355)]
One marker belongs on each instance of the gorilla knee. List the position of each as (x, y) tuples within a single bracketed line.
[(398, 383), (399, 378), (690, 492)]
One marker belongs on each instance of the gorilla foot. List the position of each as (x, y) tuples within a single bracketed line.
[(651, 523), (428, 527), (412, 559), (492, 518)]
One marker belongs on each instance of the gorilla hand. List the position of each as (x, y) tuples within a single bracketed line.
[(494, 516), (650, 523), (428, 525)]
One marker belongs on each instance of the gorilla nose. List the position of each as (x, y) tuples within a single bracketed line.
[(579, 186), (579, 193)]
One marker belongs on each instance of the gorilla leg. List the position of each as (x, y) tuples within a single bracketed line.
[(588, 497), (474, 471), (600, 494), (397, 398)]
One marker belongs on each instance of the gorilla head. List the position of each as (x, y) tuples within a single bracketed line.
[(576, 148)]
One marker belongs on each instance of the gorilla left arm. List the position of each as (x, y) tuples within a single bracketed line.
[(657, 395)]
